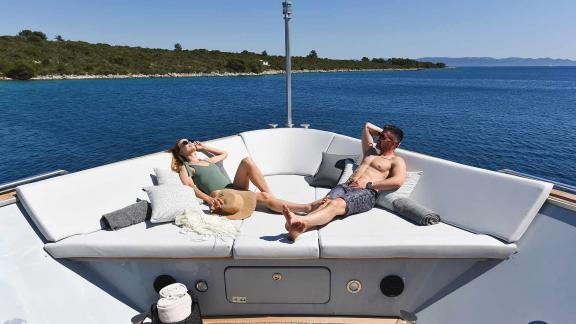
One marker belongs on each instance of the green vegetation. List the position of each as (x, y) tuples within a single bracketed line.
[(33, 36), (31, 53), (20, 71), (312, 55)]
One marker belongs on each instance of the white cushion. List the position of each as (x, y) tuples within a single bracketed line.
[(293, 188), (475, 199), (143, 240), (171, 200), (381, 234), (74, 203), (166, 176), (287, 150), (386, 197), (263, 236)]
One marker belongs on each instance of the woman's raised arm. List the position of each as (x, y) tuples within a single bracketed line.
[(217, 154)]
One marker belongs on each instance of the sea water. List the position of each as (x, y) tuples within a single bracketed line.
[(516, 118)]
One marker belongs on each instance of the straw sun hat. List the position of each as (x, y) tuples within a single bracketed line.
[(237, 204)]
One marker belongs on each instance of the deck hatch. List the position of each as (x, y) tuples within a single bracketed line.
[(277, 285)]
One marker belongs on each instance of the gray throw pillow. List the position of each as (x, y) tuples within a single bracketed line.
[(330, 169), (130, 215)]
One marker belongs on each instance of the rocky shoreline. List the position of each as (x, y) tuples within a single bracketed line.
[(191, 75)]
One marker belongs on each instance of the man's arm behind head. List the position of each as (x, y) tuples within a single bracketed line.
[(368, 131)]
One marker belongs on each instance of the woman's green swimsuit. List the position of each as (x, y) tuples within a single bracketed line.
[(208, 178)]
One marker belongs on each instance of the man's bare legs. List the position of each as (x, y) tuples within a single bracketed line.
[(248, 172), (297, 225)]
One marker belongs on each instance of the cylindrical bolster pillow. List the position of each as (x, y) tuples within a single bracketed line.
[(127, 216), (415, 212)]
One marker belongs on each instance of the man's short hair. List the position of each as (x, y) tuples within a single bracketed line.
[(395, 131)]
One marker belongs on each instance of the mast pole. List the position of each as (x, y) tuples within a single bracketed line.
[(287, 11)]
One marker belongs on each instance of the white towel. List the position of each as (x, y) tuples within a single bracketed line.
[(174, 309), (206, 225), (174, 290)]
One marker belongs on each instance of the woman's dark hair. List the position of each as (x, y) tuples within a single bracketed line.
[(396, 132), (177, 158)]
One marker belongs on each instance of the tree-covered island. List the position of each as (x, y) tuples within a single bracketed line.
[(31, 54)]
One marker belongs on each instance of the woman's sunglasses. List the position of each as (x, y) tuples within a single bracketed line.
[(185, 142)]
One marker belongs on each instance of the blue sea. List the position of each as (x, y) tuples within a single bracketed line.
[(517, 118)]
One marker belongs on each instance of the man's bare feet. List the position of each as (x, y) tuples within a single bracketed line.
[(293, 225), (289, 215)]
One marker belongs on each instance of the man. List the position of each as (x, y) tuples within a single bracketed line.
[(384, 171)]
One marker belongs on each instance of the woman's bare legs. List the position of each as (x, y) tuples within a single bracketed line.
[(275, 204), (297, 225), (248, 172)]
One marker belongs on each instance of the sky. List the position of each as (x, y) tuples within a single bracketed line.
[(335, 29)]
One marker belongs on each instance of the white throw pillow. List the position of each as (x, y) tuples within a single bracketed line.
[(167, 176), (386, 197), (170, 200), (349, 168)]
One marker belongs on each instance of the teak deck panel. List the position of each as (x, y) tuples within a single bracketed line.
[(302, 320), (563, 196), (8, 195)]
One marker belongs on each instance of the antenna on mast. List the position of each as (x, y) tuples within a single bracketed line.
[(287, 11)]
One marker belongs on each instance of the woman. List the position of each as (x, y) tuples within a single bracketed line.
[(205, 177)]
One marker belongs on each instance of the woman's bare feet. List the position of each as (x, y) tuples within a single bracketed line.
[(294, 225)]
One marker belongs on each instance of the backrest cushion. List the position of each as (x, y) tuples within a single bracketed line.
[(345, 145), (295, 151), (482, 201)]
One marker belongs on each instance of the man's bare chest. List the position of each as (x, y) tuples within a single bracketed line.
[(381, 165)]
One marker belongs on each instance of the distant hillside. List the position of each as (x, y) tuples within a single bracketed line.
[(31, 54), (490, 61)]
